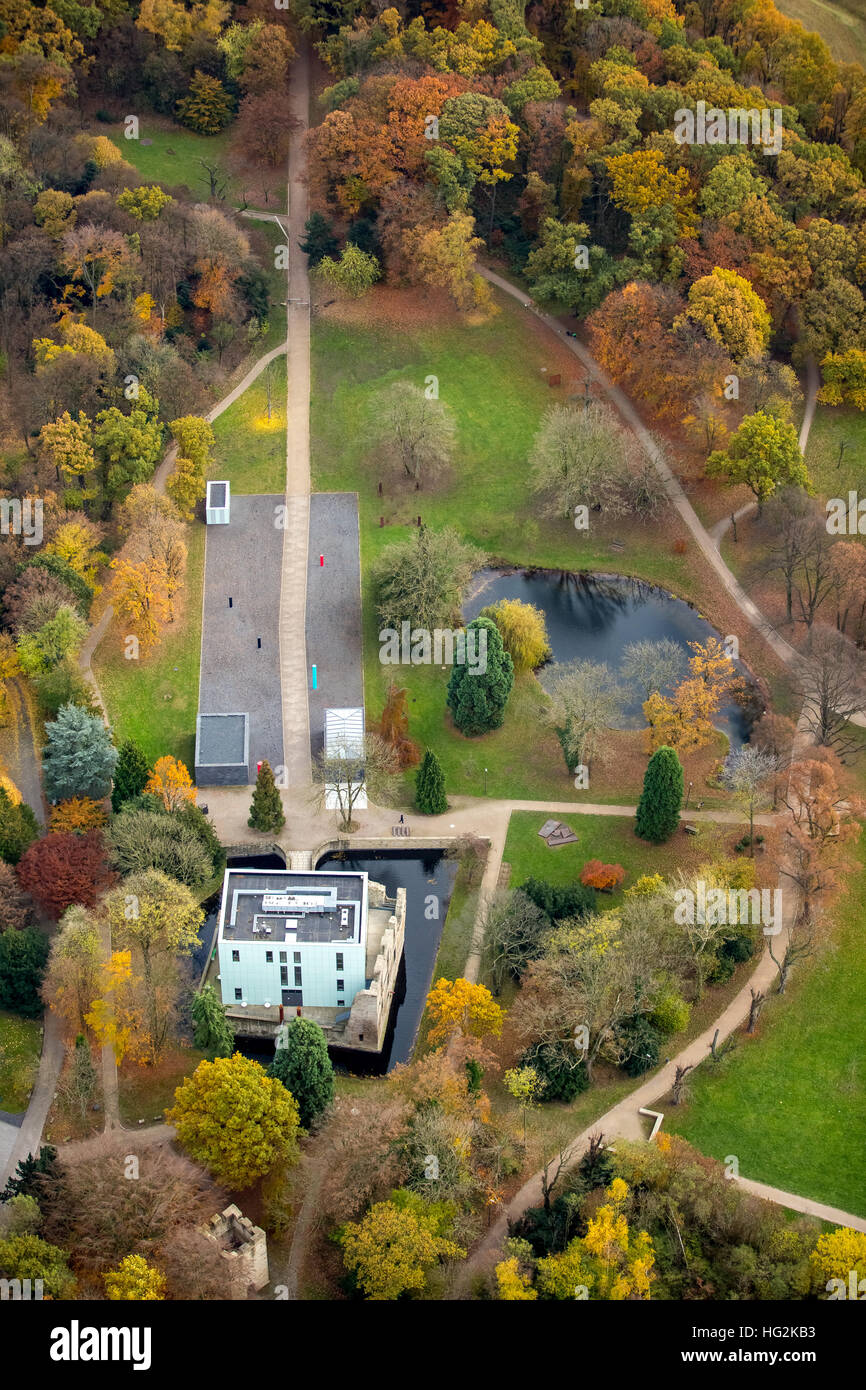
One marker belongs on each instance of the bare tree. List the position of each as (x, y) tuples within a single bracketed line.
[(652, 666), (679, 1083), (758, 1000), (341, 777), (794, 549), (586, 699), (746, 773), (831, 684), (418, 432), (514, 929), (579, 458)]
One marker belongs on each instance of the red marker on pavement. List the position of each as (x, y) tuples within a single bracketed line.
[(321, 562)]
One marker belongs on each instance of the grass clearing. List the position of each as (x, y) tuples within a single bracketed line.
[(251, 447), (20, 1050), (836, 451), (168, 154), (608, 838), (154, 701), (145, 1092), (791, 1101), (841, 26)]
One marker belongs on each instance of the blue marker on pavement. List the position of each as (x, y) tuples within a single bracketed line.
[(314, 677)]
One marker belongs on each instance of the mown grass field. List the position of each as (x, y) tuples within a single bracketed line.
[(20, 1050), (173, 154), (790, 1102), (155, 700), (608, 838), (841, 26), (836, 451), (250, 447)]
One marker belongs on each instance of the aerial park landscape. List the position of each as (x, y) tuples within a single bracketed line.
[(432, 699)]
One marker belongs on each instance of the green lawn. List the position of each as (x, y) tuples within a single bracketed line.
[(155, 701), (608, 838), (490, 376), (791, 1102), (172, 158), (20, 1050), (832, 427), (250, 448)]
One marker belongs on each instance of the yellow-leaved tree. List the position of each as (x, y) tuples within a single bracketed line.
[(839, 1262), (171, 781), (236, 1120), (114, 1017), (135, 1279), (611, 1262), (523, 631), (459, 1006), (391, 1249)]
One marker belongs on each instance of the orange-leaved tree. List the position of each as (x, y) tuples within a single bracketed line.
[(605, 877), (171, 781)]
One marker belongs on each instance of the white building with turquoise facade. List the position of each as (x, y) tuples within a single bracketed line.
[(321, 944)]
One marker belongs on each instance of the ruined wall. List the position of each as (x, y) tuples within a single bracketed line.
[(371, 1008)]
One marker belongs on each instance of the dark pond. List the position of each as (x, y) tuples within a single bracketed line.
[(424, 875), (594, 617)]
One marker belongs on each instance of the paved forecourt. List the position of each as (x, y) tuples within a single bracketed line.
[(240, 647), (334, 608)]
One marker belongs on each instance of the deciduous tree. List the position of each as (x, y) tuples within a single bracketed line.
[(235, 1119)]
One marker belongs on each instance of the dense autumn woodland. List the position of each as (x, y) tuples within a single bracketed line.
[(715, 269)]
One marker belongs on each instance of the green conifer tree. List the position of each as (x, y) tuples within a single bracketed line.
[(266, 811), (658, 811), (478, 690), (430, 795)]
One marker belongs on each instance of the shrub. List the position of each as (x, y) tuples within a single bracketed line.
[(640, 1042), (305, 1069), (672, 1012), (604, 877), (18, 827), (16, 910), (130, 774), (141, 839), (79, 757), (658, 811), (477, 701), (23, 957), (560, 901), (76, 816), (560, 1068), (430, 795)]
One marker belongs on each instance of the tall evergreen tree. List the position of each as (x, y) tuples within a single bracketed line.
[(79, 756), (305, 1069), (658, 811), (213, 1034), (266, 811), (430, 786), (319, 240), (130, 774), (18, 827), (477, 697)]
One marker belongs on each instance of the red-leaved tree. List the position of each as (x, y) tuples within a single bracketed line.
[(60, 870), (605, 877)]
